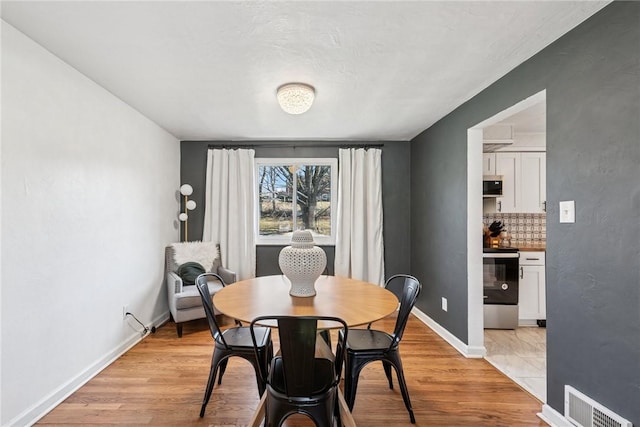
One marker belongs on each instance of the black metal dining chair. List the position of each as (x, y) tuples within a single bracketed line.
[(368, 345), (299, 381), (395, 284), (236, 341)]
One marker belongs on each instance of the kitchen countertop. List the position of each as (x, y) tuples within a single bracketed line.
[(532, 247)]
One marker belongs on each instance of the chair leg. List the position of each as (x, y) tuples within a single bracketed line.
[(179, 329), (387, 370), (352, 374), (339, 350), (403, 388), (223, 367), (266, 361), (261, 385), (326, 415), (215, 361), (208, 391), (346, 385)]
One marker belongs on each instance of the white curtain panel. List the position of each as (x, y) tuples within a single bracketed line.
[(359, 240), (229, 209)]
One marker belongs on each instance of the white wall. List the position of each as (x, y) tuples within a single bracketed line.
[(88, 204)]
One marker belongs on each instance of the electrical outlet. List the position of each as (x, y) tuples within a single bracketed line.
[(125, 310), (444, 303)]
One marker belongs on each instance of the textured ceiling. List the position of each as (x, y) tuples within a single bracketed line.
[(209, 70)]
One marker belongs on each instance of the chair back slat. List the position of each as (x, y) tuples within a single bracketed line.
[(298, 335), (410, 292), (297, 346), (203, 288)]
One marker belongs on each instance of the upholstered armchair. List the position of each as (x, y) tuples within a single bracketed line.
[(184, 300)]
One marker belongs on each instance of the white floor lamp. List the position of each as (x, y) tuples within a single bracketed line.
[(186, 190)]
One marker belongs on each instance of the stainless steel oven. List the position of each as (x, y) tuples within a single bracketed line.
[(500, 287)]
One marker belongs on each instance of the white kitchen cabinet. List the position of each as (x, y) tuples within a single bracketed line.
[(488, 163), (533, 192), (532, 288), (524, 182), (508, 165)]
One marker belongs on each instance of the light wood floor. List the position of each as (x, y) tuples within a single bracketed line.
[(161, 381)]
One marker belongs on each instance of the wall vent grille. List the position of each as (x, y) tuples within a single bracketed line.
[(586, 412)]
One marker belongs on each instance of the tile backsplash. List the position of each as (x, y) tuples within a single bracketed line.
[(525, 228)]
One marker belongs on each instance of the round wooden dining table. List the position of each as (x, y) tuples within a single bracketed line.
[(354, 301)]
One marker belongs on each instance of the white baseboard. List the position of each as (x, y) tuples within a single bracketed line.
[(472, 352), (48, 403), (553, 417)]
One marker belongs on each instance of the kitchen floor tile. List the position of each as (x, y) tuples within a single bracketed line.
[(521, 355)]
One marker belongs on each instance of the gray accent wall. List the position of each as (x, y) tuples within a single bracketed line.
[(395, 193), (592, 79)]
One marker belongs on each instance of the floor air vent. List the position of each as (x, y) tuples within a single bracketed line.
[(586, 412)]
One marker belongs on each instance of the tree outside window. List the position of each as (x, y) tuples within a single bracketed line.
[(295, 195)]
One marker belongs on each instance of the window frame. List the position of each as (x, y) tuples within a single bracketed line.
[(285, 239)]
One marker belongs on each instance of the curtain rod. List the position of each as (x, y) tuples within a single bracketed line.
[(232, 146)]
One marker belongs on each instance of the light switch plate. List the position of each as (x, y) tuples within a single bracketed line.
[(568, 211)]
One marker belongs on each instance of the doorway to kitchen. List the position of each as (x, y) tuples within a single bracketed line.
[(510, 139)]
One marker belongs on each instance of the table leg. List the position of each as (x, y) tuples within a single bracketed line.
[(258, 415), (345, 414)]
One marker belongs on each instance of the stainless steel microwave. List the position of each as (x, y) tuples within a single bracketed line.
[(492, 186)]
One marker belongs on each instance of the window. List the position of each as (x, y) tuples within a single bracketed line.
[(296, 194)]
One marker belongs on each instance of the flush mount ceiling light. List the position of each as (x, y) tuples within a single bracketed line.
[(295, 98)]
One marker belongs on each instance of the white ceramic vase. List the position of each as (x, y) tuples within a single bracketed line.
[(302, 263)]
